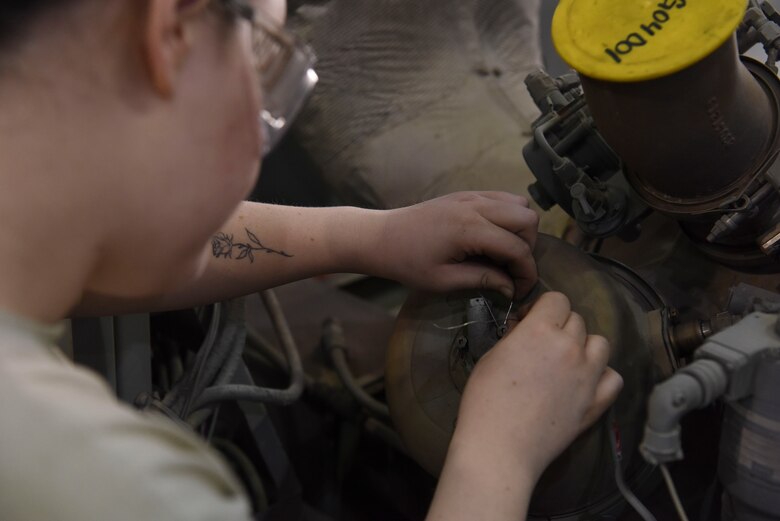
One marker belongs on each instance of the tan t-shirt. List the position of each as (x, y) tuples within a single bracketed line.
[(69, 451)]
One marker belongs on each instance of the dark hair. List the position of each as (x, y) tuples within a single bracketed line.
[(15, 15)]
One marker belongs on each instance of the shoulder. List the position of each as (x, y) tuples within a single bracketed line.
[(70, 450)]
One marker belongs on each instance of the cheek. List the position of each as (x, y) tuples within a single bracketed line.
[(222, 149), (246, 133), (250, 106), (276, 9), (240, 140)]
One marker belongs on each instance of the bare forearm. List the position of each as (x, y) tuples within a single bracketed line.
[(476, 484), (263, 246), (459, 241)]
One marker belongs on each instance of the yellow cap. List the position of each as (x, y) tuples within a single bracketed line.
[(635, 40)]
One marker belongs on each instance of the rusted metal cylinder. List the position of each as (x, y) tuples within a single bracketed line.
[(427, 371), (690, 139)]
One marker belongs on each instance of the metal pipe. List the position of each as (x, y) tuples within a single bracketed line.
[(335, 344), (253, 393), (231, 339), (693, 387), (691, 138), (181, 389), (540, 133)]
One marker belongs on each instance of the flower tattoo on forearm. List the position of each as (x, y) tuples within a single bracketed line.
[(224, 246)]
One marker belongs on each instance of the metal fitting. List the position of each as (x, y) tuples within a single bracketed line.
[(770, 241)]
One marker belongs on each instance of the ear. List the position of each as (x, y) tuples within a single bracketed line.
[(165, 42)]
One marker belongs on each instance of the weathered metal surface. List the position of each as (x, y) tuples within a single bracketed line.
[(425, 375), (691, 139)]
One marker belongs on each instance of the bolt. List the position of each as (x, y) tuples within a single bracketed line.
[(461, 342), (579, 192), (501, 331)]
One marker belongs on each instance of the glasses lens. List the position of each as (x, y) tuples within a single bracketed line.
[(286, 70)]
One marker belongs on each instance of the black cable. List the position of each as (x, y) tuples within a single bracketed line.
[(179, 388)]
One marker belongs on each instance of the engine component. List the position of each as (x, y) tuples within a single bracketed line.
[(712, 161), (609, 149), (725, 366), (224, 391), (574, 166), (335, 346), (749, 464), (438, 338), (741, 365), (732, 120)]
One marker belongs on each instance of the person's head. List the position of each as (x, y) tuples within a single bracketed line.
[(146, 117)]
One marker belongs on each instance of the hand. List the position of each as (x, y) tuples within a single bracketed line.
[(464, 240), (525, 402), (537, 389)]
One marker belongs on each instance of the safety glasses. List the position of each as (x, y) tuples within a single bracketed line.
[(285, 67)]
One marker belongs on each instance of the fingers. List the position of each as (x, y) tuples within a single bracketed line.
[(509, 211), (607, 390), (551, 308), (505, 197), (506, 249), (501, 227), (575, 327), (608, 386), (517, 219), (470, 275), (597, 352)]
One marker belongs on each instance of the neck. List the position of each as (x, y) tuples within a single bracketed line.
[(48, 247), (43, 272)]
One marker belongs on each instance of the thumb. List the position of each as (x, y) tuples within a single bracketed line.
[(607, 391), (474, 275)]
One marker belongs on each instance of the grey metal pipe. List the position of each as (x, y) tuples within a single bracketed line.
[(693, 387), (178, 392), (234, 357), (253, 393), (230, 342), (335, 344), (235, 342)]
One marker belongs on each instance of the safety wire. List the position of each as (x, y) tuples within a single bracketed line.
[(472, 322), (629, 496), (673, 493), (487, 306), (459, 326)]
